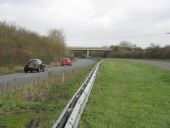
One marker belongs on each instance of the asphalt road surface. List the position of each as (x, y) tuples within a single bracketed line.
[(7, 81), (157, 63)]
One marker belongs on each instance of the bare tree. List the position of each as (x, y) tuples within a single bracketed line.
[(17, 45), (126, 44), (58, 38)]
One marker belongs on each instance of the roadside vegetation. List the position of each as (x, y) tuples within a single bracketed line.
[(128, 50), (128, 95), (8, 70), (38, 105), (17, 45)]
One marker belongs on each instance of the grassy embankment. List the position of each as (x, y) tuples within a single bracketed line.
[(8, 70), (128, 95), (39, 104)]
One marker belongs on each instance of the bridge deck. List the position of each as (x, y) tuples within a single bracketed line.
[(87, 49)]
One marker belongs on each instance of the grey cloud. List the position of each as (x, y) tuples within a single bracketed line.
[(93, 22), (19, 1)]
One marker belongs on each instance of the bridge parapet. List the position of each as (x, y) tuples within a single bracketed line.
[(88, 48)]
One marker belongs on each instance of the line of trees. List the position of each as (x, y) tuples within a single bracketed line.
[(127, 50), (17, 45)]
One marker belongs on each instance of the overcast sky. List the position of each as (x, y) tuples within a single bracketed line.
[(94, 22)]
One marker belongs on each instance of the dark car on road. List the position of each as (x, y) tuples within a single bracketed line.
[(34, 65), (65, 61)]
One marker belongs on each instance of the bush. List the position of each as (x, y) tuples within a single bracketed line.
[(17, 45)]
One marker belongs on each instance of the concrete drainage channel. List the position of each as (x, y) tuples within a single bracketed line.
[(70, 116)]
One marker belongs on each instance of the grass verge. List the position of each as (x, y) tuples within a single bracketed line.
[(9, 70), (38, 105), (20, 69), (128, 95)]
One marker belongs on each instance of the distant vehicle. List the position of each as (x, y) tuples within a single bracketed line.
[(65, 61), (34, 65), (83, 56)]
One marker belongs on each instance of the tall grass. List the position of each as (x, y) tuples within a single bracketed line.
[(39, 104), (10, 69)]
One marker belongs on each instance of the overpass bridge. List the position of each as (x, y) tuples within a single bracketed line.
[(88, 49)]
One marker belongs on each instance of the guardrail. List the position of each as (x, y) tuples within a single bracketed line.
[(71, 114)]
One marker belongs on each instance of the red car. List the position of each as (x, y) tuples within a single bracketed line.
[(65, 61)]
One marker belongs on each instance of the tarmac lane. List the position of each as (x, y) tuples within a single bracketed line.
[(19, 79)]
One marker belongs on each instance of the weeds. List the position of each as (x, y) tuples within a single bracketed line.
[(40, 103), (8, 70)]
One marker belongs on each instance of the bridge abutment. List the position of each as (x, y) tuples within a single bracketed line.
[(87, 54)]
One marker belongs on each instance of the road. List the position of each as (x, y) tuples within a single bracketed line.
[(157, 63), (7, 81)]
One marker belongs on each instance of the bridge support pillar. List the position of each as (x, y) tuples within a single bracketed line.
[(87, 53)]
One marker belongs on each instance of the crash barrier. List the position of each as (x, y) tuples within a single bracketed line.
[(71, 114)]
